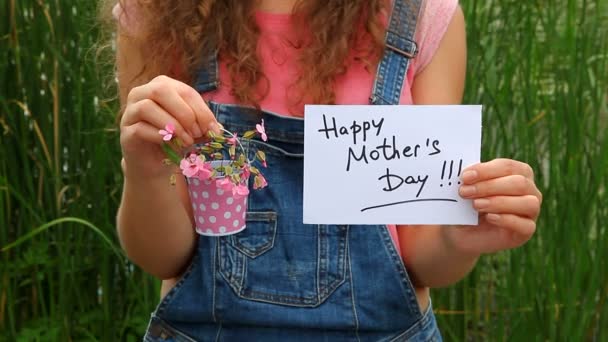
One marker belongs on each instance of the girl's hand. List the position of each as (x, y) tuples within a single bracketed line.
[(148, 109), (504, 193)]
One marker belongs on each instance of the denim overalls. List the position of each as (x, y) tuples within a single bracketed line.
[(281, 280)]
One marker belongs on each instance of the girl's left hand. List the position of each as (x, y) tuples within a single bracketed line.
[(505, 195)]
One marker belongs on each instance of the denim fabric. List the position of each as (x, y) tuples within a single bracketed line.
[(400, 48), (282, 280)]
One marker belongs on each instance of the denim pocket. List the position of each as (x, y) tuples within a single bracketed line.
[(261, 228), (290, 267)]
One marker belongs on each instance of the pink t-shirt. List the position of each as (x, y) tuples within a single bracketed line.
[(279, 62)]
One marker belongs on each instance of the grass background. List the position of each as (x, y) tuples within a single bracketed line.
[(539, 68)]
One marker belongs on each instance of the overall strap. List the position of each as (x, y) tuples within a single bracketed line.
[(207, 78), (400, 49)]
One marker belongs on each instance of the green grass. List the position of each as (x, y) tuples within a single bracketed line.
[(539, 68), (60, 159)]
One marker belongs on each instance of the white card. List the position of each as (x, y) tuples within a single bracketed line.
[(389, 164)]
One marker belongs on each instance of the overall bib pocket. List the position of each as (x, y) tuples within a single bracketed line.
[(264, 264), (262, 228)]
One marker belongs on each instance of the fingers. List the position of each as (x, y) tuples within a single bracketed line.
[(181, 101), (495, 169), (142, 131), (515, 185), (205, 120), (505, 194), (150, 112), (162, 90), (526, 206), (522, 228)]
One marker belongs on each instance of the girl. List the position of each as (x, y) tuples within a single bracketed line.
[(202, 64)]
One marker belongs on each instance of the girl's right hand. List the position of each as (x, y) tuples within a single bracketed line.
[(148, 109)]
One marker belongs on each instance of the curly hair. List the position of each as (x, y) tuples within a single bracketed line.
[(330, 31)]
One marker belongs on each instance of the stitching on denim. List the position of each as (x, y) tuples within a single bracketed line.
[(315, 300), (400, 32), (293, 131), (341, 259), (271, 149), (352, 286), (146, 335), (166, 326), (275, 115), (378, 89), (230, 274), (383, 100), (243, 268), (407, 286), (255, 252), (219, 330), (294, 135), (207, 78), (322, 262), (397, 40), (318, 282), (421, 325), (236, 273), (341, 271), (281, 299), (216, 64)]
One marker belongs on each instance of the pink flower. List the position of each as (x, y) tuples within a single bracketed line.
[(205, 171), (168, 132), (264, 164), (259, 182), (240, 191), (195, 167), (260, 129), (246, 172), (232, 140), (225, 184)]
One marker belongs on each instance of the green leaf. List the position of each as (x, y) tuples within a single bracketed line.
[(235, 178), (254, 170), (261, 155), (257, 181), (249, 134), (228, 170), (35, 231), (232, 151), (171, 154), (216, 145), (207, 150)]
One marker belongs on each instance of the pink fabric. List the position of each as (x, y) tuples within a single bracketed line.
[(278, 61)]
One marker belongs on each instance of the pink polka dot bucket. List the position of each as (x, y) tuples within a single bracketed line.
[(218, 172), (217, 212)]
